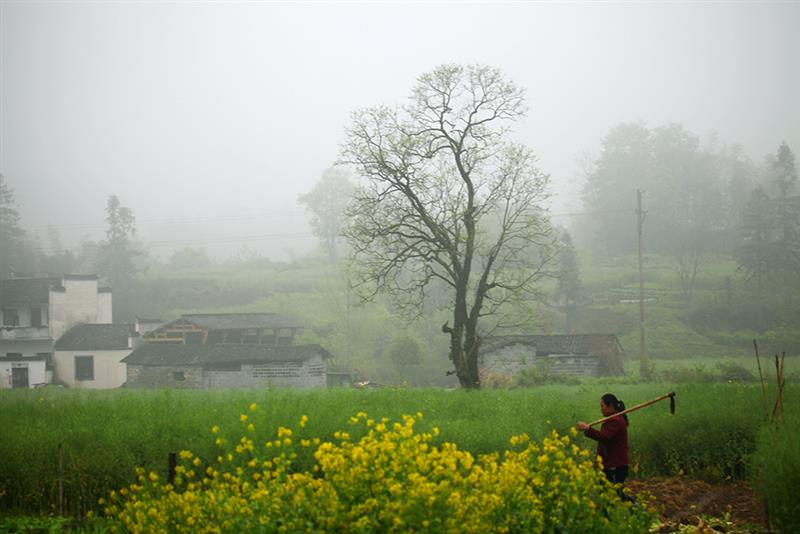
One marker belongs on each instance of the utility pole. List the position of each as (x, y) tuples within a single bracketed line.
[(639, 223)]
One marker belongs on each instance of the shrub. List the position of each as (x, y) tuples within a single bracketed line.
[(392, 479), (733, 372), (776, 474), (540, 374)]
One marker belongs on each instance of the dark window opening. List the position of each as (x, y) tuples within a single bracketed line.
[(36, 317), (84, 367), (178, 375), (10, 317)]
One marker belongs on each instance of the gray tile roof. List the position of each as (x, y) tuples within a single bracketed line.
[(95, 337), (237, 321), (171, 354), (26, 291)]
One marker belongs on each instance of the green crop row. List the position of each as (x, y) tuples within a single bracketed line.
[(104, 435)]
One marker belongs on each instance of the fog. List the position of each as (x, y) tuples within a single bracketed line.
[(209, 119)]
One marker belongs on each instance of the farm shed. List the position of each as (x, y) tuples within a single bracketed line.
[(229, 328), (170, 365), (574, 354)]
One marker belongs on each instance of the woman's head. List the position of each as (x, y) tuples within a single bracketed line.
[(610, 404)]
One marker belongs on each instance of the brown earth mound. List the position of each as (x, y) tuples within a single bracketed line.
[(680, 501)]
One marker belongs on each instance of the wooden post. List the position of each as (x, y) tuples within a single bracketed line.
[(761, 377), (778, 409), (172, 463), (644, 365)]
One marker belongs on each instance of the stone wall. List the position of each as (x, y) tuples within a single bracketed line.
[(509, 360), (514, 358), (308, 374), (572, 365), (163, 376)]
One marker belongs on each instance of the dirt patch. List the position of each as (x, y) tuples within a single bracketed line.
[(692, 502)]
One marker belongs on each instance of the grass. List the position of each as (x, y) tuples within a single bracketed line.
[(106, 434)]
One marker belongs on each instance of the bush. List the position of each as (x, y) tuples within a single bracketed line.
[(776, 474), (540, 374), (733, 372), (392, 479)]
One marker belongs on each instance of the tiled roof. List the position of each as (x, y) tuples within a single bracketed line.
[(96, 337), (170, 354), (237, 321), (26, 291), (37, 358), (556, 344)]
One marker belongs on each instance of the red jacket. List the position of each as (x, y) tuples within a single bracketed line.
[(612, 442)]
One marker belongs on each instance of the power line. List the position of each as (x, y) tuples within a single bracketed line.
[(184, 220)]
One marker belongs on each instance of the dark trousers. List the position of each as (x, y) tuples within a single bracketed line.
[(617, 475)]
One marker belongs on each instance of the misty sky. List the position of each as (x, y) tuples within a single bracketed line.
[(208, 119)]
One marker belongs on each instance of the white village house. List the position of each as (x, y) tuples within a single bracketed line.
[(34, 313), (90, 355)]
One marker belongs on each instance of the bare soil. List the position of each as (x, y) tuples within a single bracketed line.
[(733, 506)]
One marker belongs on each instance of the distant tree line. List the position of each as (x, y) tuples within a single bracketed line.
[(699, 200)]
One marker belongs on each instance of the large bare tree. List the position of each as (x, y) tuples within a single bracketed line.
[(450, 210)]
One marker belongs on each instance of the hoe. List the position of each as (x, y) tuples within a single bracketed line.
[(670, 395)]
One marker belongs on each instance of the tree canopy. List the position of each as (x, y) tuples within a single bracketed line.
[(326, 203), (450, 210)]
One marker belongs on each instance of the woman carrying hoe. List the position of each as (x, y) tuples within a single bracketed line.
[(612, 440)]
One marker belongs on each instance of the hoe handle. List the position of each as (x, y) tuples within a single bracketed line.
[(670, 395)]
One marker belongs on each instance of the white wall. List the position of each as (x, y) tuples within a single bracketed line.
[(36, 373), (78, 303), (104, 307), (108, 371), (26, 347)]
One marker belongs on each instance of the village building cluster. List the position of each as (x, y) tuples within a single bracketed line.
[(60, 331)]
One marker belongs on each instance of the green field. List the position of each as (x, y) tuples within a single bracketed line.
[(105, 435)]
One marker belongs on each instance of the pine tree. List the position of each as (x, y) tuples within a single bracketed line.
[(787, 206), (11, 235)]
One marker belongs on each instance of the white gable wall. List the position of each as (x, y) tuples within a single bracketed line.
[(108, 371), (79, 302)]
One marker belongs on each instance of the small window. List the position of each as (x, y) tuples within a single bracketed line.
[(84, 367), (10, 317), (178, 375)]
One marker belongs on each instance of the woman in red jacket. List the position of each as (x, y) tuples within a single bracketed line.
[(612, 439)]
